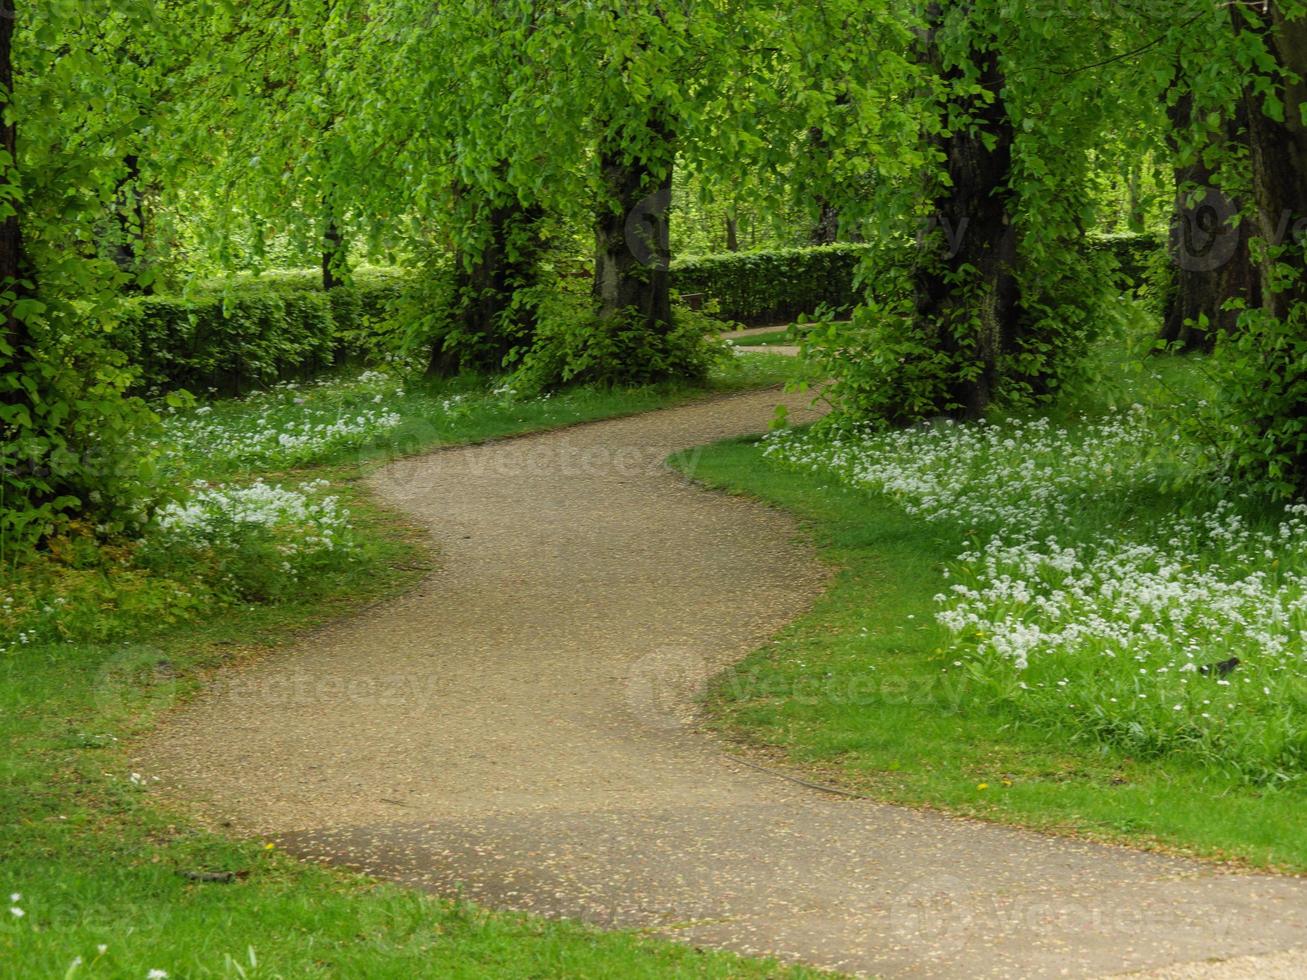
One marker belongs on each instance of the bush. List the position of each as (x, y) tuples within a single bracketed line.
[(1136, 256), (775, 286), (255, 332), (572, 346)]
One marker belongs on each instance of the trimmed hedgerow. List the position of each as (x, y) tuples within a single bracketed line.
[(1135, 254), (777, 286), (281, 326), (255, 332), (774, 286)]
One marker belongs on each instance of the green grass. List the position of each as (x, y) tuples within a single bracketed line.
[(96, 862), (783, 337), (232, 438), (865, 691)]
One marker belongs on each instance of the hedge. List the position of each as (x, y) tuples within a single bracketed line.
[(772, 287), (1135, 254), (254, 332), (233, 337), (758, 288)]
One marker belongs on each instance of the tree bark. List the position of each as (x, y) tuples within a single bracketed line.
[(732, 233), (1209, 247), (632, 231), (1278, 151), (129, 210), (827, 229), (972, 314), (333, 254), (15, 274), (489, 317)]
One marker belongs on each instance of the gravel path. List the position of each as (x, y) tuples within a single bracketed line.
[(521, 728)]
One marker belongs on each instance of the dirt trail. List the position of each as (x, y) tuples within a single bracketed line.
[(520, 728)]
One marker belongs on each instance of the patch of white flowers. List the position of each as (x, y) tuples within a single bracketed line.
[(1018, 476), (1170, 606), (1106, 621), (304, 521), (290, 423)]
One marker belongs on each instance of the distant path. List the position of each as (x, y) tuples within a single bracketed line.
[(517, 727), (790, 350)]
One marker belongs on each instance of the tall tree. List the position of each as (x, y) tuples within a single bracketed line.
[(1210, 246), (15, 271), (1277, 145), (967, 293)]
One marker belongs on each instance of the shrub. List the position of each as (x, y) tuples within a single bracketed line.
[(774, 286), (1136, 256), (255, 332), (894, 366), (572, 347), (256, 542), (778, 286), (69, 434)]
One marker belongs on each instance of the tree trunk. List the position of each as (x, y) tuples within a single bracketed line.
[(15, 274), (632, 231), (732, 233), (1209, 248), (972, 314), (1135, 217), (129, 210), (490, 318), (827, 229), (1278, 151), (333, 254)]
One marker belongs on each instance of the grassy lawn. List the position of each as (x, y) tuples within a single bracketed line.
[(875, 693), (782, 337), (100, 874)]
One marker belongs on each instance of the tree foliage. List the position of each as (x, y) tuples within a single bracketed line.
[(526, 160)]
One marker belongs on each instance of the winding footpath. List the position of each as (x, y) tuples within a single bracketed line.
[(520, 729)]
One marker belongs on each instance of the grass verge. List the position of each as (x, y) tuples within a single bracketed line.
[(781, 337), (865, 691)]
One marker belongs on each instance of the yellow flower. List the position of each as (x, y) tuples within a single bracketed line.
[(982, 785)]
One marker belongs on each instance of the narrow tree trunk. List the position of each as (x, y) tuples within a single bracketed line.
[(1134, 201), (490, 317), (1278, 152), (732, 233), (15, 274), (972, 314), (333, 254), (1209, 248), (129, 210), (632, 232), (827, 229)]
